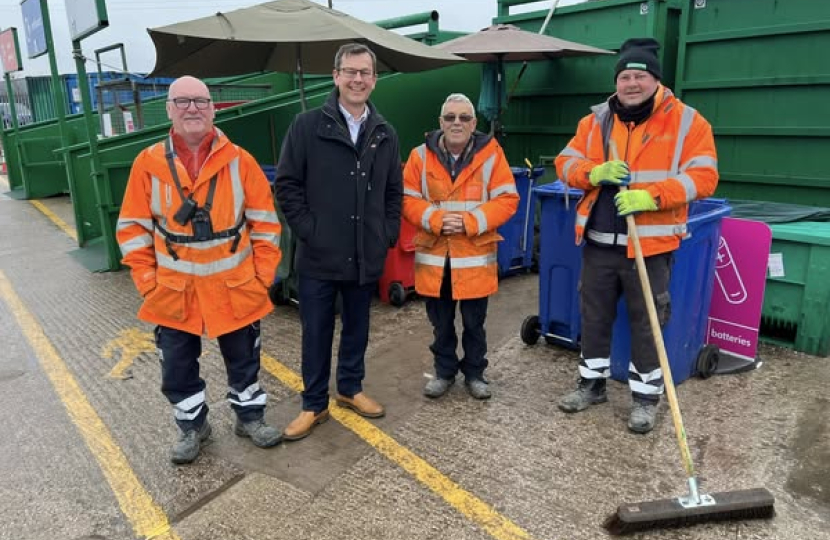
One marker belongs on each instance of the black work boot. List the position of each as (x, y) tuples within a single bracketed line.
[(190, 442), (587, 393)]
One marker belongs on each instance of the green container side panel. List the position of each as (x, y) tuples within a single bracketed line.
[(761, 77), (796, 310), (734, 15), (552, 96)]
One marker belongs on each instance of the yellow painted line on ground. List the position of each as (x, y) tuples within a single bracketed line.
[(49, 214), (478, 511), (146, 517), (55, 219)]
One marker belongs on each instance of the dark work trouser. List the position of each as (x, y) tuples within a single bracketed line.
[(181, 384), (317, 309), (607, 273), (441, 313)]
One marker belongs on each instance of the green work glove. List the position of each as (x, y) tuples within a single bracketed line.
[(634, 200), (610, 173)]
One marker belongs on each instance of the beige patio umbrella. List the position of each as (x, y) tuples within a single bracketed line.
[(508, 43), (284, 36)]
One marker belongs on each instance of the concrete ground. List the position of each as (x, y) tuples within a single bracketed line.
[(86, 432)]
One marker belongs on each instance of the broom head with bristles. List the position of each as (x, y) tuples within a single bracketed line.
[(669, 513)]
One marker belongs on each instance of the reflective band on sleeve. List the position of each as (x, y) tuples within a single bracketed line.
[(413, 193), (123, 223), (425, 218), (688, 185), (571, 152), (607, 238), (455, 262), (700, 161), (581, 220), (566, 170), (269, 237), (266, 216), (685, 126), (139, 242), (481, 220), (507, 188)]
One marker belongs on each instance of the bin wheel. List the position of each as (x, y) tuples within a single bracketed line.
[(276, 294), (530, 330), (707, 361), (397, 294)]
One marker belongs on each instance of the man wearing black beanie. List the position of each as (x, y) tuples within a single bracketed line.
[(645, 138)]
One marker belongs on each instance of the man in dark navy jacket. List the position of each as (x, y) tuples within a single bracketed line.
[(339, 186)]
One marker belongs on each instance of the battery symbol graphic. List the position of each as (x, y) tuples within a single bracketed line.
[(727, 275)]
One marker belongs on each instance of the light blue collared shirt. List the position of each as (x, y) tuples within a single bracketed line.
[(354, 123)]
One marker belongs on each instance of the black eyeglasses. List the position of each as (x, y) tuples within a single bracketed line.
[(183, 103), (462, 117), (351, 73)]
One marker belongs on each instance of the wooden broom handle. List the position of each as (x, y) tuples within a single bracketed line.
[(657, 335)]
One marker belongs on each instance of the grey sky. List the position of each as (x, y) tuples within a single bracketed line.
[(129, 20)]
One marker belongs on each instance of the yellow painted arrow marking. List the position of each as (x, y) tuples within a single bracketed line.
[(131, 342)]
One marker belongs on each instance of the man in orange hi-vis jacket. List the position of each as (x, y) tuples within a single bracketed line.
[(645, 138), (199, 231), (458, 189)]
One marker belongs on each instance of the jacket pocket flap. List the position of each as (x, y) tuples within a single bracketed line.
[(172, 282), (490, 237), (239, 280), (425, 239)]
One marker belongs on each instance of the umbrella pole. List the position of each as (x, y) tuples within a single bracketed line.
[(300, 77)]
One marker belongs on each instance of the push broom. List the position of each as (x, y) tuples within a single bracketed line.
[(695, 507)]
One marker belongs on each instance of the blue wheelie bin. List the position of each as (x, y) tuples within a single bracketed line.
[(691, 286), (515, 253)]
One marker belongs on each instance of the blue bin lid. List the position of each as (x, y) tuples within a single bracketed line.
[(557, 188), (521, 172)]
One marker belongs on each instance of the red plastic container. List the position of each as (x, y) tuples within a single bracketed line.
[(398, 279)]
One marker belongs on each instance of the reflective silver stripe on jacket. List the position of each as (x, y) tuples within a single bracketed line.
[(572, 152), (581, 220), (138, 242), (455, 262), (203, 269), (643, 231), (486, 176), (481, 220), (458, 206), (607, 238), (413, 193), (701, 162), (644, 177), (425, 218), (566, 170), (422, 151), (507, 188)]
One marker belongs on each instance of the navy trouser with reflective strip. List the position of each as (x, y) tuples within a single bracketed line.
[(181, 384), (318, 298), (607, 273), (441, 313)]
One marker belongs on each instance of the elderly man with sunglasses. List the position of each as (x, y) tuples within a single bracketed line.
[(458, 188), (199, 231)]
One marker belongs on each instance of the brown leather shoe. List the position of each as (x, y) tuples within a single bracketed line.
[(361, 404), (301, 427)]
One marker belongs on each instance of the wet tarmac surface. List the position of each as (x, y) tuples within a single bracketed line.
[(452, 468)]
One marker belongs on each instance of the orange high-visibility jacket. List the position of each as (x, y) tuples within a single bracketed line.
[(217, 285), (671, 155), (484, 192)]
